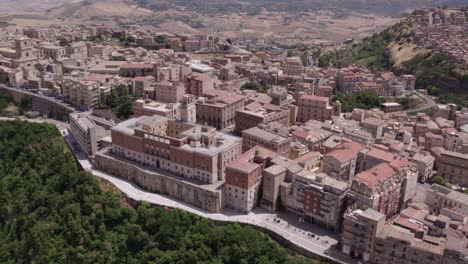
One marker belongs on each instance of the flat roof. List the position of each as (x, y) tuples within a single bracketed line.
[(269, 136)]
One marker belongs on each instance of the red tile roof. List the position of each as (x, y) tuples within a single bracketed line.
[(375, 175), (308, 156), (244, 162), (300, 133), (346, 151), (314, 98)]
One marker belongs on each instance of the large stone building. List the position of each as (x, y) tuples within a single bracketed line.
[(209, 197), (256, 136), (191, 151), (440, 198), (360, 227), (311, 107), (198, 83), (256, 113), (219, 111), (244, 177), (347, 82), (343, 162), (170, 92), (453, 166), (425, 163)]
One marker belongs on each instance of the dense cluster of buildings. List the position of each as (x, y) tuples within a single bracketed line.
[(197, 135), (443, 29)]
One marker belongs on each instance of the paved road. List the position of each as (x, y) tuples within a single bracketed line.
[(286, 225), (430, 103)]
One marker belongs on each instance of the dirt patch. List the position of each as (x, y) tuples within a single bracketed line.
[(405, 52)]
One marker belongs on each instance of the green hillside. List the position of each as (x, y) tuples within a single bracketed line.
[(51, 212), (396, 49)]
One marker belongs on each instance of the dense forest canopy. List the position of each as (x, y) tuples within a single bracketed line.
[(51, 212)]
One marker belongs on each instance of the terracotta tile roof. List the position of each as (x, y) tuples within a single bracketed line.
[(252, 106), (244, 162), (314, 98), (381, 154), (374, 176), (346, 151), (300, 133), (308, 156)]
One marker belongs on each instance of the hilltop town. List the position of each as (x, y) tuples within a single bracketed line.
[(367, 159)]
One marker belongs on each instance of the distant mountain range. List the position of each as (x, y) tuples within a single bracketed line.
[(388, 7)]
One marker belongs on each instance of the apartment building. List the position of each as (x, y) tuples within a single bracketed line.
[(440, 198), (191, 151), (293, 66), (219, 111), (378, 188), (397, 244), (244, 177), (85, 132), (257, 113), (311, 107), (455, 140), (142, 87), (256, 136), (425, 163), (409, 81), (169, 92), (324, 200), (374, 126), (453, 166), (377, 154), (81, 93), (347, 82), (198, 83), (343, 162), (315, 197), (360, 228)]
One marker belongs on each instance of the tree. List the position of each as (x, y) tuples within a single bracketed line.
[(119, 101), (160, 39), (51, 212), (5, 99), (253, 86), (25, 103), (364, 100), (438, 180)]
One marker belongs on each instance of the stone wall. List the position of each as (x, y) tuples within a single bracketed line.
[(206, 197), (41, 103)]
